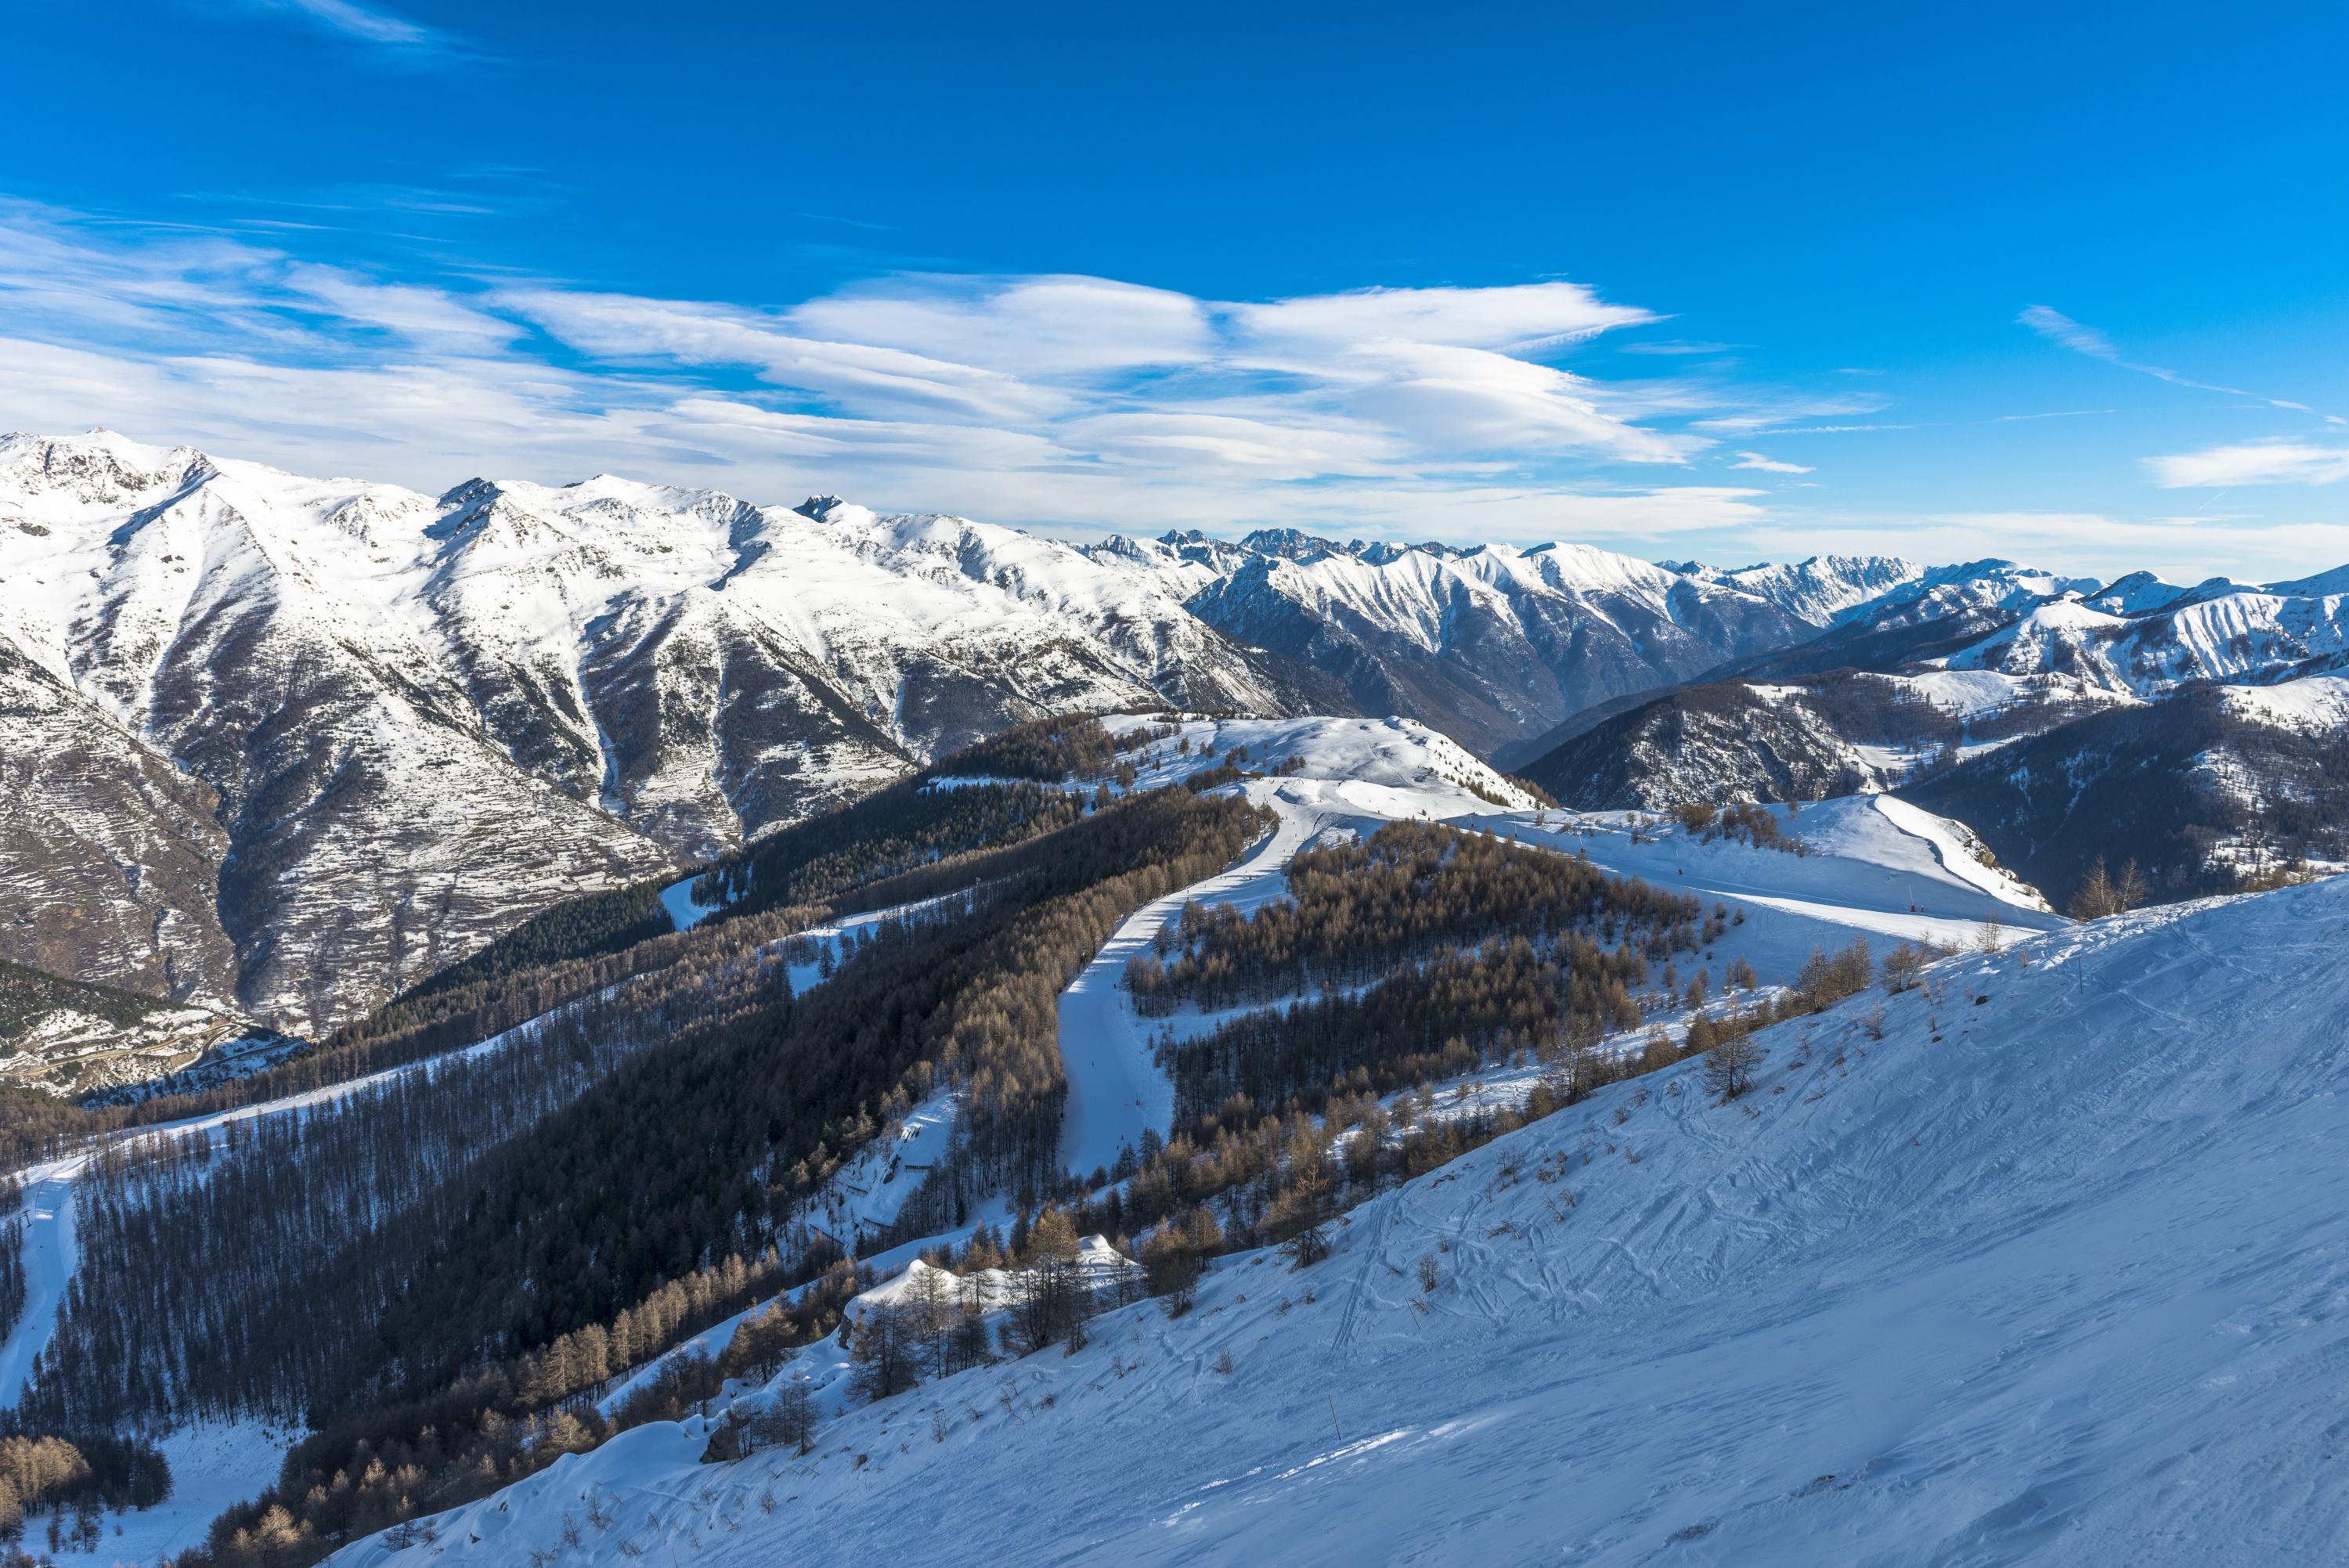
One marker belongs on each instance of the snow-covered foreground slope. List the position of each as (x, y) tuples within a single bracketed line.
[(2055, 1271)]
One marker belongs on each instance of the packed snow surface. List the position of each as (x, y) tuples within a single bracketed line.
[(685, 910), (2314, 701), (2055, 1271)]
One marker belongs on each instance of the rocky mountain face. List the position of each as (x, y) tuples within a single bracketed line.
[(282, 745), (81, 1042), (1494, 644), (1728, 741), (2229, 633), (2205, 791)]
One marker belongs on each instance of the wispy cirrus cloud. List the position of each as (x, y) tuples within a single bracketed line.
[(2275, 462), (1776, 413), (1768, 465), (2066, 332), (390, 35), (1678, 347)]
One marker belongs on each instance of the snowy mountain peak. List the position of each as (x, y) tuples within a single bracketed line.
[(97, 466), (2137, 592), (1293, 544)]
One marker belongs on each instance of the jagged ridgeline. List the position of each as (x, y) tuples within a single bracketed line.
[(459, 1217)]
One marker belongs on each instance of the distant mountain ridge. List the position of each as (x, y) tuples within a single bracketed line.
[(2197, 731), (1492, 643)]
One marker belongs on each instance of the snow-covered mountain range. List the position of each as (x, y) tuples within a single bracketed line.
[(1494, 644), (286, 744), (282, 745), (2197, 731)]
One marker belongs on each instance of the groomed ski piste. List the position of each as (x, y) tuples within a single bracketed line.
[(2055, 1270), (1875, 868)]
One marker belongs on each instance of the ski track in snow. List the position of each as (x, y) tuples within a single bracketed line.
[(1116, 1088), (685, 911), (1359, 773)]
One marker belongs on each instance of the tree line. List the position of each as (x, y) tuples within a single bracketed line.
[(384, 1466), (1353, 912)]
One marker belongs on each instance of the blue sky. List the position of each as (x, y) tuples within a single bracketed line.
[(1736, 281)]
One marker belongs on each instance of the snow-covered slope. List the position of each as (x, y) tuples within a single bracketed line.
[(1819, 589), (2050, 1272), (1870, 867), (1333, 779), (2137, 592), (2223, 630), (2320, 702), (1946, 591)]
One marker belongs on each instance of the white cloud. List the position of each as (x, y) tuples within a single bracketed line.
[(2063, 331), (1082, 404), (629, 329), (374, 25), (1767, 465), (1512, 319), (1775, 412), (360, 21), (1677, 346), (2253, 463), (1022, 326)]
